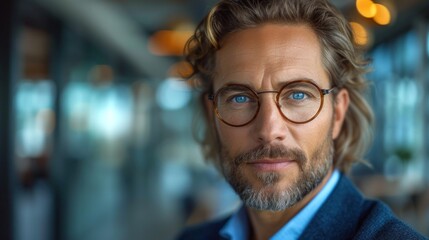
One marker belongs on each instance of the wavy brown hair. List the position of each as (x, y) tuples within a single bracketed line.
[(342, 60)]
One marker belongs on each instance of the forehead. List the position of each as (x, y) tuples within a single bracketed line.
[(270, 53)]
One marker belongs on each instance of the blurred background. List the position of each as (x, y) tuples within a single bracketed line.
[(96, 125)]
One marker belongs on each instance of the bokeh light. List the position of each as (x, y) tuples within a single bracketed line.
[(360, 34), (383, 16), (169, 42), (173, 94), (366, 8), (180, 69)]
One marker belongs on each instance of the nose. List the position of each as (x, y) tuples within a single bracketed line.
[(270, 126)]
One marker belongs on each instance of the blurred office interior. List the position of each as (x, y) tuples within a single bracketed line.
[(96, 123)]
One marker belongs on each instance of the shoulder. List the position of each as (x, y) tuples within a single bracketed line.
[(379, 222), (346, 214), (207, 230)]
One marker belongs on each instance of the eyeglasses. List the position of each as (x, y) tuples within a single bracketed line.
[(298, 101)]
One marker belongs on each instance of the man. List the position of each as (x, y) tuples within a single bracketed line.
[(286, 117)]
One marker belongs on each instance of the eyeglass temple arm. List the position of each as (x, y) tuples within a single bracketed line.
[(328, 91)]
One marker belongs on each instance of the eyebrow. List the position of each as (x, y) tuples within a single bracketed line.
[(279, 85)]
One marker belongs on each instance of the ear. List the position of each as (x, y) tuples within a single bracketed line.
[(341, 105)]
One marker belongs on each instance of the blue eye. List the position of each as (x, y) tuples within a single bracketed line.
[(240, 99), (298, 95)]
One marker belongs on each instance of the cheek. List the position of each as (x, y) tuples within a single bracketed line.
[(232, 138), (312, 135), (308, 137)]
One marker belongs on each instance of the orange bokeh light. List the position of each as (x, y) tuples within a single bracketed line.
[(181, 69), (366, 8), (383, 16), (360, 34), (168, 42)]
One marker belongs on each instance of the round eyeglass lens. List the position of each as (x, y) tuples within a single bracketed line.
[(300, 101), (236, 105)]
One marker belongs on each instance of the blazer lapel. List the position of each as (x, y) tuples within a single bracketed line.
[(339, 215)]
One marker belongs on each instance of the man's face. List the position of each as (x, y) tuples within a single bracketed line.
[(270, 162)]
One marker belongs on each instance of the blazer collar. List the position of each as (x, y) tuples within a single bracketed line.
[(339, 215)]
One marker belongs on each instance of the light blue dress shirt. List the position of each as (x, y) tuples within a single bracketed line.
[(237, 226)]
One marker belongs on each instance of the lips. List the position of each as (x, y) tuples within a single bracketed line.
[(271, 165)]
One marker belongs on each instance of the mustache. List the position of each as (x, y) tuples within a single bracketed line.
[(271, 151)]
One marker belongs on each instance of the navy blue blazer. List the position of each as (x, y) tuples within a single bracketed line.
[(344, 215)]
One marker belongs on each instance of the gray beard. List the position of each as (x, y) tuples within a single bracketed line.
[(267, 197)]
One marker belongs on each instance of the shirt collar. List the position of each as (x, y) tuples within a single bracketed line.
[(237, 227)]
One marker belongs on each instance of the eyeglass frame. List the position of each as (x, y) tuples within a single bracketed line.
[(212, 97)]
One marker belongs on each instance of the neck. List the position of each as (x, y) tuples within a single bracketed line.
[(265, 224)]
